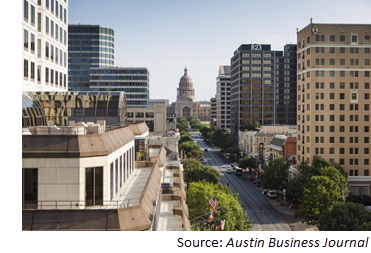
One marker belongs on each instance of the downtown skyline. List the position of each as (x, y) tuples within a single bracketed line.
[(166, 36)]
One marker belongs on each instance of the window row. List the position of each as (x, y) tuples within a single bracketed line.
[(341, 107), (33, 74), (342, 38), (331, 140), (52, 53), (352, 118), (333, 85), (354, 96), (334, 50), (332, 62)]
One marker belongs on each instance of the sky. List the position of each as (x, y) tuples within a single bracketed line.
[(165, 36)]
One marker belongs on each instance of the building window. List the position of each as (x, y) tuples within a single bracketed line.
[(46, 24), (354, 39), (332, 38), (25, 39), (25, 69), (25, 14), (32, 15), (342, 38)]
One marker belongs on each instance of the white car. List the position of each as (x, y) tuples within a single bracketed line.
[(229, 170), (271, 194), (226, 166)]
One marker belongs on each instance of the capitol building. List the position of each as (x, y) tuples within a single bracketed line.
[(185, 106)]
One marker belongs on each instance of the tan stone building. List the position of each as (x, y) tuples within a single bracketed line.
[(333, 73), (185, 106)]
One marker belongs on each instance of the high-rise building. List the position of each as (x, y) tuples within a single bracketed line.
[(223, 98), (133, 81), (286, 87), (44, 53), (334, 98), (89, 46), (213, 112), (260, 82)]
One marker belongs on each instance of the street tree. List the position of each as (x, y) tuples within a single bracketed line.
[(191, 149), (199, 173), (198, 196), (345, 217), (248, 162), (275, 174), (321, 193)]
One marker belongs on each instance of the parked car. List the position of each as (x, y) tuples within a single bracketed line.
[(229, 170), (206, 150), (271, 194), (258, 183), (204, 161), (252, 178)]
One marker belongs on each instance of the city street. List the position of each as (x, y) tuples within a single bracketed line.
[(258, 206)]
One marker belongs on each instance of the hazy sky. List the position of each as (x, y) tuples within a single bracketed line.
[(164, 36)]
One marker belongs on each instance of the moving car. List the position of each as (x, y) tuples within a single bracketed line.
[(206, 150), (226, 166), (204, 161), (229, 170), (252, 178), (271, 194)]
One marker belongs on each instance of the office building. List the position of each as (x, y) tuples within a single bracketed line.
[(223, 98), (133, 81), (213, 112), (89, 46), (333, 81), (44, 52), (82, 106), (259, 84)]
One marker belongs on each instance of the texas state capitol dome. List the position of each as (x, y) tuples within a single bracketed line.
[(186, 92)]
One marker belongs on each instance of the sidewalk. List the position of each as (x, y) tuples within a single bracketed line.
[(283, 209), (299, 226)]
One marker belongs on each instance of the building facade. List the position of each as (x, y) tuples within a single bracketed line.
[(154, 117), (63, 107), (256, 72), (223, 98), (89, 46), (249, 141), (213, 112), (334, 98), (133, 81), (44, 52)]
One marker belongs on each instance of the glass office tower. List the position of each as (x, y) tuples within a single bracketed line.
[(88, 46)]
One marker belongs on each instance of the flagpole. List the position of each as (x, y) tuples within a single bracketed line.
[(208, 213)]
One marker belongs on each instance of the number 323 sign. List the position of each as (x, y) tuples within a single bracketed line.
[(256, 47)]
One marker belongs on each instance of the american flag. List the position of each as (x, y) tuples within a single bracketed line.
[(212, 203)]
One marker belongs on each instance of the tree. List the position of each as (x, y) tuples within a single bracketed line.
[(194, 122), (196, 174), (275, 174), (198, 196), (191, 149), (182, 124), (248, 162), (297, 185), (250, 126), (184, 137), (345, 217), (321, 193)]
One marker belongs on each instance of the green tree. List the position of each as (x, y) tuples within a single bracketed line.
[(198, 196), (306, 171), (196, 174), (250, 126), (182, 124), (321, 193), (184, 137), (248, 162), (275, 174), (345, 217), (191, 149), (194, 123)]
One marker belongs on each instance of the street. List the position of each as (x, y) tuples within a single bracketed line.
[(258, 207)]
